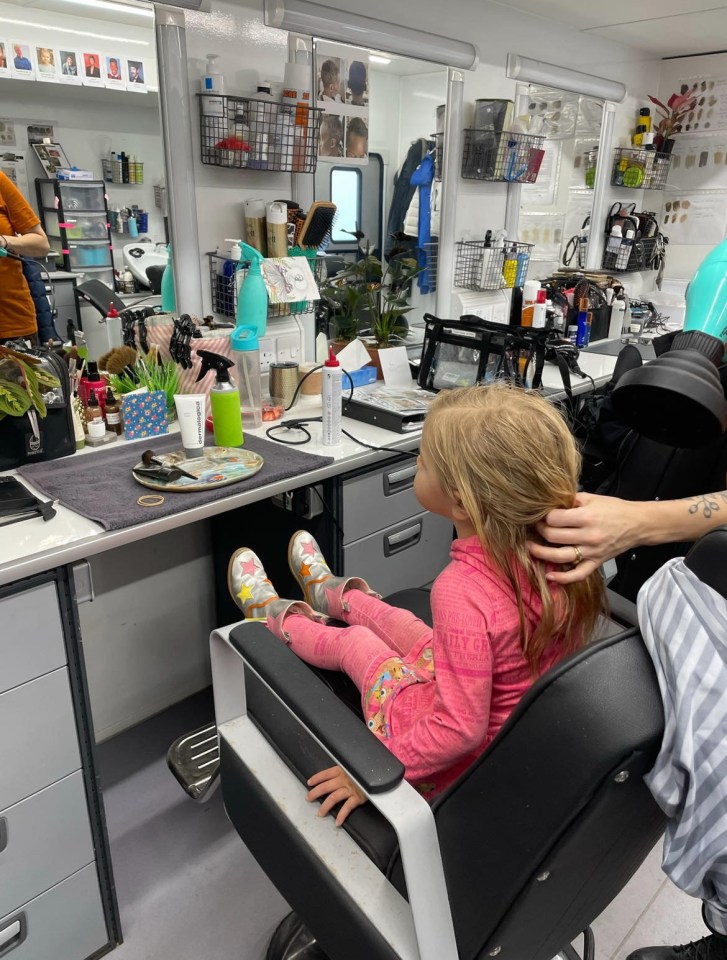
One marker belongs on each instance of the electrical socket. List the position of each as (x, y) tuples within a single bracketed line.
[(287, 347), (267, 353)]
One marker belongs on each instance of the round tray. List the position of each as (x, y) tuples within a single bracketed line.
[(218, 467)]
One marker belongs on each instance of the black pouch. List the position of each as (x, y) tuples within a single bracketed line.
[(31, 438), (469, 351), (17, 503)]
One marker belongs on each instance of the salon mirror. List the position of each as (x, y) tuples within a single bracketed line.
[(84, 77), (555, 212), (378, 208)]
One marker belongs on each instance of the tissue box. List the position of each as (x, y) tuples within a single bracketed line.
[(145, 414), (359, 378), (72, 173)]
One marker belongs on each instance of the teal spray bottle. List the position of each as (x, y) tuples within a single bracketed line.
[(224, 400), (169, 301), (252, 318)]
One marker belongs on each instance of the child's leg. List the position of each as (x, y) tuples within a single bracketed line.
[(355, 650), (399, 629)]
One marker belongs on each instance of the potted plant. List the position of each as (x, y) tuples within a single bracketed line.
[(345, 303), (152, 375), (671, 117), (383, 298), (23, 382)]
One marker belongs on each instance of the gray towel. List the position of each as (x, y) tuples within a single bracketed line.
[(102, 488)]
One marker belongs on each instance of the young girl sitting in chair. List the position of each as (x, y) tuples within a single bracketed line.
[(494, 460)]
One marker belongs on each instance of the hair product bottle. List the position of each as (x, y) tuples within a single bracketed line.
[(224, 400), (255, 233), (94, 418), (277, 229), (331, 434), (113, 413)]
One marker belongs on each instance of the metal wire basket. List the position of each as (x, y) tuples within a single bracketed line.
[(123, 171), (643, 256), (505, 156), (223, 288), (244, 133), (479, 267), (640, 169)]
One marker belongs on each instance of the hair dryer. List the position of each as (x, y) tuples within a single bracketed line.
[(678, 399)]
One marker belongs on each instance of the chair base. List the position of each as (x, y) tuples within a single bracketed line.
[(293, 941), (194, 759)]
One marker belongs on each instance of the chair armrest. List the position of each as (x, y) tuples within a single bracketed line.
[(622, 609), (308, 698)]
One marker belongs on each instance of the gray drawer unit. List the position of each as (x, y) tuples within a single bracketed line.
[(378, 499), (43, 840), (65, 923), (406, 554), (31, 636), (38, 740)]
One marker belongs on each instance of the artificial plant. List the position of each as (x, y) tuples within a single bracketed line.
[(345, 302), (672, 115), (23, 381), (150, 374)]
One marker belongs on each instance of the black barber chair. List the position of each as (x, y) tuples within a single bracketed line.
[(514, 861)]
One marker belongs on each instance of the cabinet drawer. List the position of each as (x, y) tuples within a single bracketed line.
[(376, 500), (65, 923), (31, 636), (38, 743), (43, 840), (407, 554)]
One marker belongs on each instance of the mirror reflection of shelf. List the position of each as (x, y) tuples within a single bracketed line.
[(506, 157), (481, 267), (638, 169), (126, 170)]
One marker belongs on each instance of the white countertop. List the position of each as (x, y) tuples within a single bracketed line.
[(33, 546)]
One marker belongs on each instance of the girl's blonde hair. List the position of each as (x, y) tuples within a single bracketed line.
[(507, 456)]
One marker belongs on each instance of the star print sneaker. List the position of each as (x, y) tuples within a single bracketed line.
[(321, 589), (255, 595)]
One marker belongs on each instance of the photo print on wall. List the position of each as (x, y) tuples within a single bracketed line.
[(342, 91)]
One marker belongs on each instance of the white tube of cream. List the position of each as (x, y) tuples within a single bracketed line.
[(190, 413)]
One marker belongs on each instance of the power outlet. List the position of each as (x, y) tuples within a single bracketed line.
[(287, 347), (267, 353)]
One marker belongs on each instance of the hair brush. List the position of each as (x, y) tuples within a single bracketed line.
[(318, 224)]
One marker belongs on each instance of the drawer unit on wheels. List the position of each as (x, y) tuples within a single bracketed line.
[(387, 538), (56, 894)]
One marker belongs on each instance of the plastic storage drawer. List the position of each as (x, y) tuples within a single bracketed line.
[(31, 636), (378, 499), (65, 923), (89, 255), (91, 226), (407, 554), (38, 742), (43, 840)]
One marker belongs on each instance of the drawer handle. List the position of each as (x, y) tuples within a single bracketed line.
[(13, 934), (3, 833), (402, 540), (399, 480)]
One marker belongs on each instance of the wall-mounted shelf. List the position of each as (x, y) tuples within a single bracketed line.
[(642, 256), (248, 134), (505, 157), (638, 169), (128, 172), (223, 287)]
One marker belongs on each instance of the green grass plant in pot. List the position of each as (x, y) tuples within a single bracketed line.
[(154, 376)]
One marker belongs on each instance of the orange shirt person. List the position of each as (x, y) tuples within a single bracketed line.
[(20, 233)]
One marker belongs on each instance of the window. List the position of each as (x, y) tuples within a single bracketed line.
[(346, 194)]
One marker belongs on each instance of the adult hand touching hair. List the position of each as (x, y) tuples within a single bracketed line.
[(598, 528)]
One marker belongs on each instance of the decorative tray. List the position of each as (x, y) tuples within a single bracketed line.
[(218, 467)]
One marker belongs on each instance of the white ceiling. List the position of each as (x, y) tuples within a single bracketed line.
[(664, 28)]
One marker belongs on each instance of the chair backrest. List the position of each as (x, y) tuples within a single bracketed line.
[(706, 560), (551, 822)]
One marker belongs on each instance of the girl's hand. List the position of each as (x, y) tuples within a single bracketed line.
[(337, 787), (601, 528)]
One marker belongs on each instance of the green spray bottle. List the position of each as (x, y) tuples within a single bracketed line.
[(169, 301), (224, 400)]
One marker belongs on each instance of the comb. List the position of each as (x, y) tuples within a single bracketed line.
[(318, 224)]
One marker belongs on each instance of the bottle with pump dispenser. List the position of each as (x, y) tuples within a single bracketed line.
[(624, 253), (540, 310), (212, 84), (263, 109), (277, 228), (224, 400), (331, 433), (296, 101), (169, 301)]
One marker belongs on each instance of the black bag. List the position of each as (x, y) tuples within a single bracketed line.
[(468, 351), (30, 438)]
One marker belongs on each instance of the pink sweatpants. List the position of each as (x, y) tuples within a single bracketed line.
[(374, 649)]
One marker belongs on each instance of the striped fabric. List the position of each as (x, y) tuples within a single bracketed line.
[(684, 625)]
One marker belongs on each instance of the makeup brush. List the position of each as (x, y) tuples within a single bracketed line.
[(148, 459), (318, 224), (118, 359)]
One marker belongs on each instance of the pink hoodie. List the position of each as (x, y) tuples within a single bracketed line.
[(480, 671)]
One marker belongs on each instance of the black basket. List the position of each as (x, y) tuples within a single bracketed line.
[(638, 169), (644, 254), (510, 157), (123, 171), (244, 133), (479, 267), (223, 287)]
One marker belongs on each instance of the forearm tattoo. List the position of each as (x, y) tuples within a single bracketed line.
[(707, 504)]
